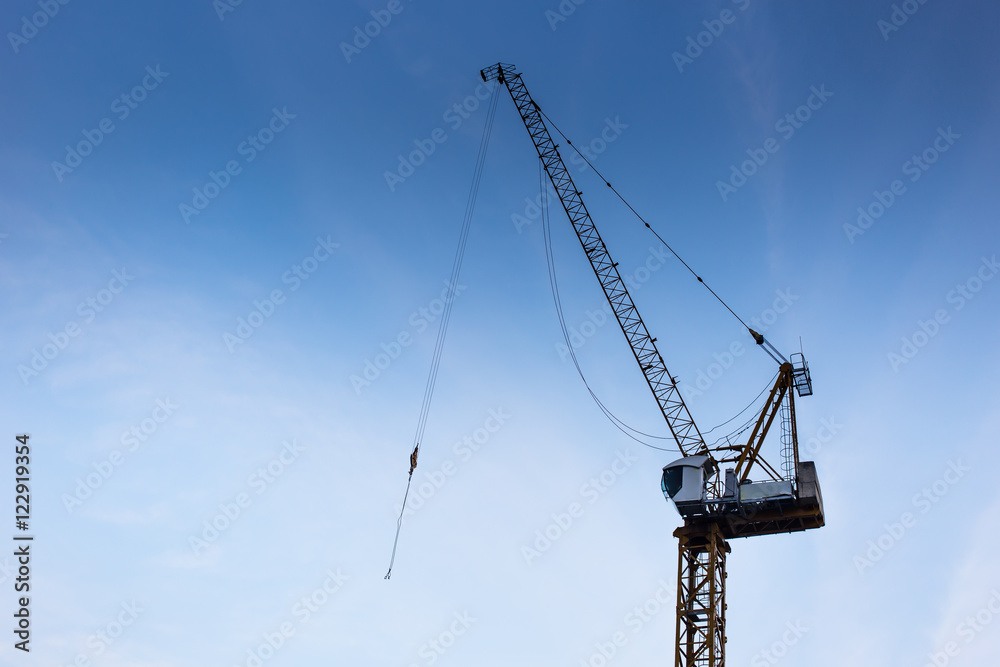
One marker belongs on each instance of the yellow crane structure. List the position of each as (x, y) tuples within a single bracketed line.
[(711, 487)]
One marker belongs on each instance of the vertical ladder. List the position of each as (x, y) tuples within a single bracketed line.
[(787, 442)]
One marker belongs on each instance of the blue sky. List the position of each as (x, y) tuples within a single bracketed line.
[(207, 231)]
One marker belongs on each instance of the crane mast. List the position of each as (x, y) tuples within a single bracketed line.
[(715, 507)]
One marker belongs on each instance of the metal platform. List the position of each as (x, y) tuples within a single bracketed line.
[(749, 516), (800, 375)]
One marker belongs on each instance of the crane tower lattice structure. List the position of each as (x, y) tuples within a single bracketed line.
[(716, 506)]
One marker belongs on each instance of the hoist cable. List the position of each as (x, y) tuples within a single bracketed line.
[(449, 300), (399, 521), (455, 273)]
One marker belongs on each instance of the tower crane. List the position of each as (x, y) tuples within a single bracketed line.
[(711, 487)]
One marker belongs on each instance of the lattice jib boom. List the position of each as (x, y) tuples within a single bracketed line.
[(643, 345)]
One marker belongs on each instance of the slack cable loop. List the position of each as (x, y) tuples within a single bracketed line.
[(766, 387), (557, 298)]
